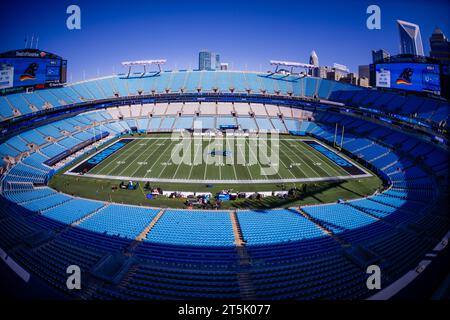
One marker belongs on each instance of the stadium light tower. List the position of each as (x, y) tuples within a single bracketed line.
[(144, 63)]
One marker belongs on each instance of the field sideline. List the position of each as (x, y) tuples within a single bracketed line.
[(150, 159)]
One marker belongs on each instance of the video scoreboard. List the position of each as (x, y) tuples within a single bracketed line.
[(31, 68), (419, 77)]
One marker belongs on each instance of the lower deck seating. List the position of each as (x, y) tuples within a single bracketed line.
[(162, 282), (271, 226), (72, 210), (20, 196), (49, 202), (338, 217), (193, 228), (120, 221)]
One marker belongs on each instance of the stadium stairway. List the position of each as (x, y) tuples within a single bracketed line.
[(76, 223), (55, 205), (246, 288), (238, 240), (244, 277), (324, 229), (244, 257), (365, 211), (127, 278), (143, 235)]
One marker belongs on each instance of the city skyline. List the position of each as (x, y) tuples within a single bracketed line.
[(247, 35)]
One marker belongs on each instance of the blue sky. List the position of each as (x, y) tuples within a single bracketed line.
[(247, 34)]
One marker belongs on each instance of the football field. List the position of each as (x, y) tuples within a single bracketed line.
[(219, 160)]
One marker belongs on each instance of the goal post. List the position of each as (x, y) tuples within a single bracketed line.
[(338, 146)]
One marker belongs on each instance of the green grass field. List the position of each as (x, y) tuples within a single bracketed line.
[(149, 158)]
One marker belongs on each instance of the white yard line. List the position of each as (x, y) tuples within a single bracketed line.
[(234, 164), (344, 157), (312, 152), (243, 154), (126, 159), (215, 162), (178, 167), (286, 168), (156, 161), (256, 157), (164, 153), (206, 165), (146, 159), (302, 160), (195, 156), (112, 160)]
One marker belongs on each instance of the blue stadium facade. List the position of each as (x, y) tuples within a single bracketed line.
[(312, 252)]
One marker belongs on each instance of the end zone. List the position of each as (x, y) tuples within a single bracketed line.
[(340, 161)]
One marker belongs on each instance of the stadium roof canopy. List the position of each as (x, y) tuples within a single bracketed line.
[(143, 63), (291, 64)]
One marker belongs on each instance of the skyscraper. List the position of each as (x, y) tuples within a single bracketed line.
[(204, 60), (337, 72), (313, 59), (440, 47), (364, 71), (440, 50), (217, 61), (208, 60), (410, 39), (379, 55), (320, 72), (341, 67)]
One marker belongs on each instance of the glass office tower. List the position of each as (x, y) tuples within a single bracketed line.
[(410, 39), (208, 60)]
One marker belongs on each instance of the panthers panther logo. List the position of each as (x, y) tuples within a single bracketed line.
[(405, 76), (30, 72)]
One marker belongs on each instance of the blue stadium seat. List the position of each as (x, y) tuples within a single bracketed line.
[(121, 221), (197, 228), (273, 226)]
